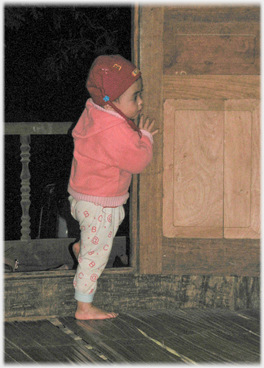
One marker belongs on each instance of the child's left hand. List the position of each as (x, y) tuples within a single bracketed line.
[(148, 126)]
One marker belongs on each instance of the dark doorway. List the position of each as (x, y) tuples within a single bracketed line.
[(48, 52)]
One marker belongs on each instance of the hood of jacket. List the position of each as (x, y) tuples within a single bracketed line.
[(95, 119)]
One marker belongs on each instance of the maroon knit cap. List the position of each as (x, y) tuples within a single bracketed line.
[(109, 77)]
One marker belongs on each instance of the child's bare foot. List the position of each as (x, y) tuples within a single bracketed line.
[(76, 249), (89, 311)]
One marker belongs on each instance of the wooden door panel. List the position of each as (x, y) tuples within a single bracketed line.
[(193, 168), (237, 168), (241, 169), (211, 40), (211, 169), (199, 54)]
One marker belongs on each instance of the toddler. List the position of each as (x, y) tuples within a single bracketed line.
[(108, 148)]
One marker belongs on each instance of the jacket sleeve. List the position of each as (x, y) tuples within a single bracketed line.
[(122, 147)]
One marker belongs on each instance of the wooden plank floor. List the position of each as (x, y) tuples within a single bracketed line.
[(159, 336)]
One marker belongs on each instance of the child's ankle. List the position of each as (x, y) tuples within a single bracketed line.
[(82, 306)]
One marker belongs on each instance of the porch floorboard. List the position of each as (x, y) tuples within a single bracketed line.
[(150, 336)]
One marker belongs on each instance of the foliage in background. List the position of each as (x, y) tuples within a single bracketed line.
[(48, 52)]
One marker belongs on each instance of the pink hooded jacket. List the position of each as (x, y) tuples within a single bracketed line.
[(107, 151)]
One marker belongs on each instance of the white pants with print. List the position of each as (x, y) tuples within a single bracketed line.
[(98, 227)]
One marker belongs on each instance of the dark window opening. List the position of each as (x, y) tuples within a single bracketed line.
[(48, 52)]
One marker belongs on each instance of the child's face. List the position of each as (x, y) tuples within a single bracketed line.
[(130, 102)]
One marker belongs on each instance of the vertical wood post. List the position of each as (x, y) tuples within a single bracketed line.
[(135, 35), (25, 187), (134, 198), (150, 180)]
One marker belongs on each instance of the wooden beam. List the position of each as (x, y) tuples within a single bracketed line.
[(218, 257), (24, 128), (134, 197), (211, 86), (44, 254), (150, 192), (51, 293)]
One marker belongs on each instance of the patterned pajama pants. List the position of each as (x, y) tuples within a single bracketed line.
[(98, 227)]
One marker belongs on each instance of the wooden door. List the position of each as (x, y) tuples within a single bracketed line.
[(200, 69)]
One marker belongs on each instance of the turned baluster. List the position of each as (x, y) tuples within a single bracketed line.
[(25, 187)]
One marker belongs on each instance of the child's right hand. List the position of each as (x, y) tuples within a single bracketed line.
[(148, 126)]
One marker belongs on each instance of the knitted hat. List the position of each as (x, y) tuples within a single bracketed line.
[(109, 77)]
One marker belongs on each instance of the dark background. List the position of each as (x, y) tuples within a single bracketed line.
[(48, 51)]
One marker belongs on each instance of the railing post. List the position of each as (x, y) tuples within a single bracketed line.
[(25, 187)]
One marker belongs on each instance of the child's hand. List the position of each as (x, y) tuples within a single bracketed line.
[(147, 125)]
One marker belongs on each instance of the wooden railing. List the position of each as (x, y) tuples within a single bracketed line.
[(35, 254), (25, 130), (38, 254)]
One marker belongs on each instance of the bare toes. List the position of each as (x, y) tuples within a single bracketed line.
[(112, 315)]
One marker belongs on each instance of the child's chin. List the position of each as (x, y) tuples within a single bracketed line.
[(135, 116)]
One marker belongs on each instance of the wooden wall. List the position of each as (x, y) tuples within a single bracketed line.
[(199, 200)]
